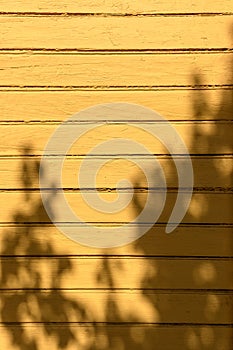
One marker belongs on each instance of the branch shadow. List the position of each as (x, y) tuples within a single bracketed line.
[(204, 315), (204, 273), (23, 295), (136, 322)]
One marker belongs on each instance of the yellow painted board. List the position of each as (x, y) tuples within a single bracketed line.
[(115, 7), (112, 33), (165, 307), (126, 272), (163, 70), (200, 138), (59, 105), (189, 240), (208, 229), (204, 207), (131, 336), (209, 171)]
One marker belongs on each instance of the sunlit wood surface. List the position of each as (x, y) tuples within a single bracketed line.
[(162, 292)]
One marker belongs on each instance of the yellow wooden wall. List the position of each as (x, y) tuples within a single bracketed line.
[(162, 292)]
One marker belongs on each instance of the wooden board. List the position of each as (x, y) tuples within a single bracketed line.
[(156, 307), (163, 292), (14, 170), (186, 241), (26, 106), (204, 207), (133, 336), (119, 7), (200, 138), (109, 33), (148, 71), (126, 273)]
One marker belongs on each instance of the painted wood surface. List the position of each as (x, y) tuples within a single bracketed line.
[(119, 7), (39, 104), (212, 274), (220, 210), (172, 307), (207, 241), (204, 168), (16, 137), (59, 71), (109, 33), (168, 292), (128, 336)]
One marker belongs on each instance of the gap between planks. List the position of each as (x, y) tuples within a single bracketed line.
[(115, 122), (47, 88), (155, 291), (111, 14), (209, 190), (122, 51), (135, 7)]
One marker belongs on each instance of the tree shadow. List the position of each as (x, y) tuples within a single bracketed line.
[(23, 296), (151, 314), (197, 281), (205, 273)]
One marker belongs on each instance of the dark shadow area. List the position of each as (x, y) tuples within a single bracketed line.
[(169, 300), (205, 271), (199, 283), (23, 298)]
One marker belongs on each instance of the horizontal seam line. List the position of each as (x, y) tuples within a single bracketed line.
[(117, 257), (160, 156), (115, 122), (62, 223), (161, 324), (111, 14), (115, 88), (117, 155), (119, 86), (114, 51), (168, 291), (174, 189), (50, 90)]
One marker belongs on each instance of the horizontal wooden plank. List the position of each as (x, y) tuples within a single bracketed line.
[(173, 105), (115, 337), (128, 6), (115, 272), (115, 70), (192, 241), (204, 207), (209, 172), (94, 33), (214, 308), (200, 138)]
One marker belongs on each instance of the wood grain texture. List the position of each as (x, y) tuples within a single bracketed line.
[(186, 241), (119, 7), (214, 308), (168, 292), (44, 106), (41, 70), (200, 138), (128, 273), (109, 33), (204, 207), (169, 337), (204, 168)]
